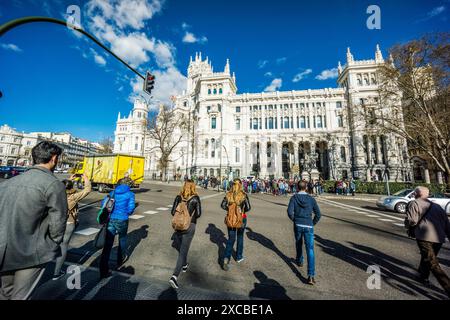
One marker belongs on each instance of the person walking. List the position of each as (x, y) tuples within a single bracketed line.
[(300, 209), (124, 205), (190, 198), (235, 198), (33, 215), (428, 223), (352, 187), (73, 197)]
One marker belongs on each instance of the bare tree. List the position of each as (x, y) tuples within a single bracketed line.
[(414, 98), (107, 145), (166, 132)]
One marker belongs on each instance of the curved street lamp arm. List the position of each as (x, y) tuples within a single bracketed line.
[(18, 22)]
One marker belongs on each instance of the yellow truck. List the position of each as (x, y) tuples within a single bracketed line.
[(105, 170)]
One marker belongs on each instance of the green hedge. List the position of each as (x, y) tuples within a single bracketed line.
[(380, 187)]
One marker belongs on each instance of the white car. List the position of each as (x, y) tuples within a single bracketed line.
[(399, 200)]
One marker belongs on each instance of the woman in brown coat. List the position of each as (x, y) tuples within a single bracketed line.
[(73, 197)]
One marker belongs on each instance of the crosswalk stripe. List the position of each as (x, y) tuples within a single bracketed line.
[(169, 206), (373, 216), (150, 212), (87, 231), (135, 217), (388, 220), (162, 208), (399, 224)]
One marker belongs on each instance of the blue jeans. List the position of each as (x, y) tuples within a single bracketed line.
[(307, 235), (119, 227), (240, 242)]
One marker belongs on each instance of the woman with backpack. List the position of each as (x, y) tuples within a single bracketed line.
[(237, 205), (186, 210)]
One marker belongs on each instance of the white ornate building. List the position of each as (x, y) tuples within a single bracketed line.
[(303, 133)]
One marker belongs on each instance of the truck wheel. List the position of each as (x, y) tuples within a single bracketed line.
[(101, 188)]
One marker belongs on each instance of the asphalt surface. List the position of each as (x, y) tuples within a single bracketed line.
[(351, 236)]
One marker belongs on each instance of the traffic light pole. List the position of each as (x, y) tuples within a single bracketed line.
[(18, 22)]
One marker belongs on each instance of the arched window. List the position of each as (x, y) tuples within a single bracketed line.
[(302, 122), (209, 91), (343, 155), (286, 122), (213, 146), (213, 123), (271, 123), (255, 123), (215, 91), (238, 124), (220, 91)]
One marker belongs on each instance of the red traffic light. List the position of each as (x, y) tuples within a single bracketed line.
[(149, 82)]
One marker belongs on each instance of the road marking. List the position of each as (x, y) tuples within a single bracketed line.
[(87, 231), (400, 224), (212, 196), (135, 217), (162, 208), (388, 220), (169, 206), (337, 204), (149, 201), (150, 212), (373, 216)]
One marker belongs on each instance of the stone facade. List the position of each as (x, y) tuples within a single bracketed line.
[(307, 133)]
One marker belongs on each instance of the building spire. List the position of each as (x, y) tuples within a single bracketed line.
[(378, 55), (339, 67), (349, 56), (200, 56), (118, 116), (391, 60), (227, 67)]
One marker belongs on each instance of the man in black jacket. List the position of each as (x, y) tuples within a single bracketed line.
[(33, 215)]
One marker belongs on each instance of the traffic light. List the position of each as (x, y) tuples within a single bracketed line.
[(149, 82)]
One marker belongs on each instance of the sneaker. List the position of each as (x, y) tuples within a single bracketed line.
[(185, 268), (174, 282), (311, 281), (59, 276), (226, 264), (299, 264), (240, 260)]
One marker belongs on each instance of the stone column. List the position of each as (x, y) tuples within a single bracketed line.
[(378, 150), (279, 160), (263, 158), (296, 159), (427, 176)]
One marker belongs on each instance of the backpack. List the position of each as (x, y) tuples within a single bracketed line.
[(107, 209), (181, 219), (233, 219)]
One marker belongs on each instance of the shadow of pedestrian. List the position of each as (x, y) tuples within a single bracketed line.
[(266, 242), (268, 288), (176, 241), (217, 237), (168, 294), (391, 268)]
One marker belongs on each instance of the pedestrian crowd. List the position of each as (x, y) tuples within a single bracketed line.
[(39, 213)]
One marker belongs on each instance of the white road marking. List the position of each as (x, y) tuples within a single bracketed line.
[(400, 224), (212, 196), (135, 217), (373, 216), (169, 206), (87, 231), (149, 201), (150, 212), (337, 204), (162, 208), (388, 220)]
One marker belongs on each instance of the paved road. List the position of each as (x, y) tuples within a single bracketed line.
[(352, 235)]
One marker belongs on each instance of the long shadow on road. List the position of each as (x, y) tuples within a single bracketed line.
[(394, 271), (266, 242), (217, 237), (268, 288)]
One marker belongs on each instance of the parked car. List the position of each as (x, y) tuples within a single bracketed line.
[(7, 172), (399, 200)]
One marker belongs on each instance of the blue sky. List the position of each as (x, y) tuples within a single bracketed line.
[(53, 80)]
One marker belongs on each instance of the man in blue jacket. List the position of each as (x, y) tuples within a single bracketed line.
[(124, 205), (301, 207)]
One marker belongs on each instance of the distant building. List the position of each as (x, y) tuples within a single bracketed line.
[(15, 147)]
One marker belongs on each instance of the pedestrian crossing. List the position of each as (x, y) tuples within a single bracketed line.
[(368, 213)]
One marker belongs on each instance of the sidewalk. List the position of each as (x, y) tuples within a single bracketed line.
[(120, 286), (360, 197)]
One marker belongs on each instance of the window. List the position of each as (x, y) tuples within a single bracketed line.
[(185, 103), (343, 155), (255, 123), (366, 80), (136, 147), (213, 123), (2, 138), (238, 124), (286, 122), (208, 108), (338, 105), (302, 122), (209, 91), (213, 147), (359, 80), (319, 122), (361, 101), (220, 90), (238, 109), (237, 155), (340, 121), (28, 143), (206, 148), (220, 108), (271, 123), (215, 91)]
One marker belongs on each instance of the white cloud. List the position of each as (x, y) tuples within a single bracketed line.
[(274, 85), (10, 46), (262, 63), (328, 74), (268, 74), (436, 11), (301, 75), (185, 26), (189, 37), (99, 60), (281, 60)]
